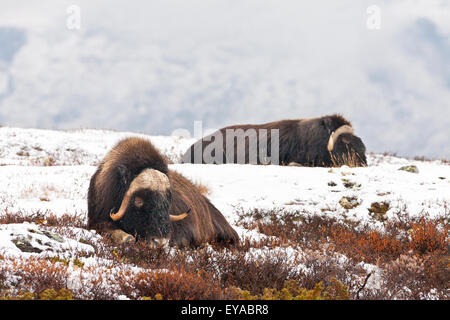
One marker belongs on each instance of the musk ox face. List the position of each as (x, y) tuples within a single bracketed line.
[(144, 210), (147, 215), (346, 148)]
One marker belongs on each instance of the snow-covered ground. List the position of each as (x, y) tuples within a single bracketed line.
[(28, 147), (48, 172)]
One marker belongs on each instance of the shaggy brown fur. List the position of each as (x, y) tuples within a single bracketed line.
[(301, 141), (112, 179)]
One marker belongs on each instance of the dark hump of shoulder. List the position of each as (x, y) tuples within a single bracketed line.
[(334, 121), (281, 124), (329, 122), (136, 154)]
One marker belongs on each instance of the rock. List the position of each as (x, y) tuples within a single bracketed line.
[(27, 238), (349, 202), (53, 236), (25, 245), (378, 210), (411, 169), (350, 184)]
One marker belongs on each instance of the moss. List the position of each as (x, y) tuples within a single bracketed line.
[(240, 294), (78, 263), (51, 294), (61, 260), (47, 294), (157, 296), (66, 261), (292, 290), (336, 290)]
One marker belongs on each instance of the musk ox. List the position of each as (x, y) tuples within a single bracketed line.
[(133, 195), (328, 141)]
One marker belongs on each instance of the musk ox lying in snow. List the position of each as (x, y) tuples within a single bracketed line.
[(133, 195), (328, 141)]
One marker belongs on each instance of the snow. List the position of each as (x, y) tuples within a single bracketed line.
[(74, 147), (306, 189), (24, 239), (30, 185)]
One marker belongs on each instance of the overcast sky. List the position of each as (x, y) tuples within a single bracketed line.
[(156, 66)]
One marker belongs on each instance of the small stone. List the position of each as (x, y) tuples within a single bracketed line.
[(53, 236), (349, 202), (411, 169), (350, 184)]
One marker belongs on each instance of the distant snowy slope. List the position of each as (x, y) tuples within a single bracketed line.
[(74, 147)]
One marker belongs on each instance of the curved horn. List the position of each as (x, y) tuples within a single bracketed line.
[(150, 179), (123, 207), (179, 217), (335, 135)]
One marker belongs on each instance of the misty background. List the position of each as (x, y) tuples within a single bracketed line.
[(156, 66)]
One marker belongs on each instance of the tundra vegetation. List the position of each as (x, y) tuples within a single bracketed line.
[(302, 257)]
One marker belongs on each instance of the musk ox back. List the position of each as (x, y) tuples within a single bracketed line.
[(133, 195), (327, 141)]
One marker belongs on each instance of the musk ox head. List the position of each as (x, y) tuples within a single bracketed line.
[(144, 209), (345, 148), (130, 194)]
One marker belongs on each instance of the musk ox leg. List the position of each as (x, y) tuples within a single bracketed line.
[(120, 236)]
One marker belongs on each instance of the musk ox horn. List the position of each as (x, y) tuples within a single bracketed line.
[(148, 179), (179, 217), (335, 135)]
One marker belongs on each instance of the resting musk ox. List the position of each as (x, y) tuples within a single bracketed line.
[(327, 141), (133, 195)]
